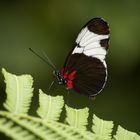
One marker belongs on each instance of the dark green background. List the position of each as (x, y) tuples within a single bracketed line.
[(52, 26)]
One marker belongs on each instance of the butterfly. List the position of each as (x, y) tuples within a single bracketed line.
[(85, 69)]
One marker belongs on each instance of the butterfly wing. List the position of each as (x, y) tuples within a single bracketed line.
[(87, 59)]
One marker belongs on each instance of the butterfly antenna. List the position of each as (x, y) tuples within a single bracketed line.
[(46, 56), (47, 62)]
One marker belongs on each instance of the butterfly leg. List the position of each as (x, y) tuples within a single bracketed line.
[(52, 83)]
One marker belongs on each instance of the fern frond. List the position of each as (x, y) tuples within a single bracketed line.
[(44, 130), (69, 132), (15, 132), (17, 125), (31, 125), (77, 117), (50, 107), (19, 92), (101, 128), (123, 134)]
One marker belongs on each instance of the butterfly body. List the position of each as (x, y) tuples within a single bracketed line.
[(85, 69), (65, 78)]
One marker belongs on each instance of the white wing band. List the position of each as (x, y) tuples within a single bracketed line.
[(89, 44)]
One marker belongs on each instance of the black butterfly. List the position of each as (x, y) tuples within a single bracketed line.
[(85, 69)]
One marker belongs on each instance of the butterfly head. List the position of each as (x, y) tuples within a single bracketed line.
[(59, 77)]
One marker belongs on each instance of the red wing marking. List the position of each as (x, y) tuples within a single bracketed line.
[(69, 84), (65, 75), (71, 75), (70, 80)]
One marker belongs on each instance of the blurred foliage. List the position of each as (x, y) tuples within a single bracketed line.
[(52, 26)]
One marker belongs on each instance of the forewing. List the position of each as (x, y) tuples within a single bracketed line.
[(93, 39)]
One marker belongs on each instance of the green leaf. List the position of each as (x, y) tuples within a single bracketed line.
[(16, 124), (101, 128), (123, 134), (15, 132), (77, 118), (22, 127), (50, 107), (19, 92)]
